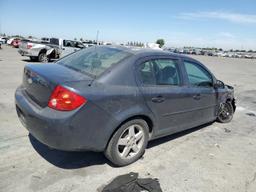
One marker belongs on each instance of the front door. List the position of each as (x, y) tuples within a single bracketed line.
[(68, 48), (202, 95)]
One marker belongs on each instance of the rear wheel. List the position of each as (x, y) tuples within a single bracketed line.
[(128, 144), (43, 58), (226, 113)]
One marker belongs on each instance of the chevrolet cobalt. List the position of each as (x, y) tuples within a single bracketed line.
[(116, 99)]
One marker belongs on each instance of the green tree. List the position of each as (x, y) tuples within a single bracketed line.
[(161, 42)]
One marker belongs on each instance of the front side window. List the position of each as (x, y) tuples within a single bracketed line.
[(68, 43), (197, 75), (160, 72)]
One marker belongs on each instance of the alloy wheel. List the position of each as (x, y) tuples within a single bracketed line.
[(226, 112), (130, 142), (43, 58)]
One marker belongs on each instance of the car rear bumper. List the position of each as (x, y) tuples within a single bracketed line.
[(68, 131)]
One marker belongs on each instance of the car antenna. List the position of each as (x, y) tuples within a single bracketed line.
[(97, 38)]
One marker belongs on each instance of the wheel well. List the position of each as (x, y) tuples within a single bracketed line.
[(42, 51), (52, 55), (144, 117), (232, 102)]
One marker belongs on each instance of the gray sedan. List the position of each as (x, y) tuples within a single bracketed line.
[(116, 99)]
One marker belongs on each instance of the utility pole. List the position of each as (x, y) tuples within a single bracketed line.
[(0, 26), (97, 37)]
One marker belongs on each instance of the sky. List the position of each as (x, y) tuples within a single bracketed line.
[(201, 23)]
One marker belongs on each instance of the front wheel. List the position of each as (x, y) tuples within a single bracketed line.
[(128, 143), (226, 113)]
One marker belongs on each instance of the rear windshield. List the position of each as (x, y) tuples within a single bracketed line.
[(95, 60)]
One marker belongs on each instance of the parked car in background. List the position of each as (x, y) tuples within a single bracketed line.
[(116, 99), (10, 40), (89, 43), (47, 49), (3, 40), (16, 43), (248, 56)]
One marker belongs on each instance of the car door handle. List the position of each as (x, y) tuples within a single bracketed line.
[(197, 97), (158, 99)]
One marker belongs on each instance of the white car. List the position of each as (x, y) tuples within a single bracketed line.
[(45, 51), (9, 42), (3, 40)]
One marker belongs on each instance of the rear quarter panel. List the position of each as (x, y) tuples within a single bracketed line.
[(114, 105)]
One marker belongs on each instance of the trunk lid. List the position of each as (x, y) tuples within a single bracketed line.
[(39, 80)]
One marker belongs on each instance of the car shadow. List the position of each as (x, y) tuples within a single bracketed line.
[(76, 160), (26, 60), (29, 61), (67, 160)]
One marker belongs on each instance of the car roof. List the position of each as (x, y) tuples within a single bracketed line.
[(144, 52)]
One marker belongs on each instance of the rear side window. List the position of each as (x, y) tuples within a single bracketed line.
[(95, 60), (147, 73), (197, 75), (54, 41), (160, 72)]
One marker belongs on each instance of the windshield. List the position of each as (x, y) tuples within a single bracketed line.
[(95, 60)]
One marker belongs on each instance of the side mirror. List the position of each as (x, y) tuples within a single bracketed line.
[(219, 84)]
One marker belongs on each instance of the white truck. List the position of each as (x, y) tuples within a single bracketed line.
[(44, 51)]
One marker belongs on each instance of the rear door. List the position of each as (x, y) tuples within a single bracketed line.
[(161, 82)]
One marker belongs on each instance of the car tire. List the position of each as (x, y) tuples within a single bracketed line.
[(43, 58), (127, 146), (226, 112)]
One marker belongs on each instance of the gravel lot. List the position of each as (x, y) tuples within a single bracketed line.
[(212, 158)]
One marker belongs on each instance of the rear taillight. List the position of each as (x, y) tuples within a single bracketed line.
[(29, 46), (63, 99)]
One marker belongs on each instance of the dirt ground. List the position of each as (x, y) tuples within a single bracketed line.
[(213, 158)]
